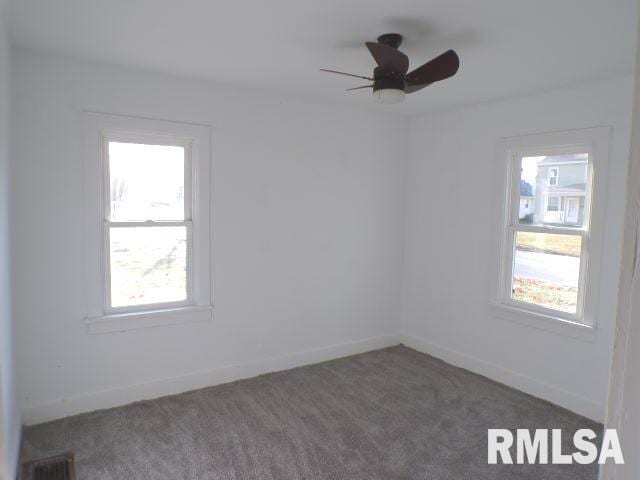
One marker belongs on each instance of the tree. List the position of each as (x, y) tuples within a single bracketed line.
[(119, 189)]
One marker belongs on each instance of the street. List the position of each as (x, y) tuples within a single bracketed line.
[(558, 269)]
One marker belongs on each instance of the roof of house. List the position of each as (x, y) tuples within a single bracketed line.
[(573, 189), (559, 159), (526, 190)]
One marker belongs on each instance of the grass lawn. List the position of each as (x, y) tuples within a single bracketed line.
[(556, 244)]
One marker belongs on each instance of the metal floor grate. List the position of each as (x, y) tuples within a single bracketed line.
[(60, 467)]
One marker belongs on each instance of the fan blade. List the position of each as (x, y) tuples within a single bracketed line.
[(389, 58), (441, 67), (347, 74), (415, 88), (358, 88)]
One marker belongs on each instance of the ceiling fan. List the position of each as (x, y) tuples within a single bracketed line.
[(390, 78)]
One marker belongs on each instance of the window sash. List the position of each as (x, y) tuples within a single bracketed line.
[(148, 139), (147, 306), (514, 168), (513, 227), (508, 276)]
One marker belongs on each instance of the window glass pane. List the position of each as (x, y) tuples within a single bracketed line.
[(546, 269), (553, 190), (148, 265), (146, 182)]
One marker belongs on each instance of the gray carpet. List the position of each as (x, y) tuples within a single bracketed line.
[(388, 414)]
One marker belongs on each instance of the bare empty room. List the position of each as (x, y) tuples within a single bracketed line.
[(319, 240)]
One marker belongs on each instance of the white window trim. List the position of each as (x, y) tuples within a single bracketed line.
[(557, 170), (98, 128), (597, 142)]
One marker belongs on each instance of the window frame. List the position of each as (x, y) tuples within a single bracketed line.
[(110, 135), (555, 177), (514, 226), (100, 129), (596, 142)]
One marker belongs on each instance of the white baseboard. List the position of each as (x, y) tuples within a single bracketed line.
[(169, 386), (118, 396), (576, 403), (10, 456)]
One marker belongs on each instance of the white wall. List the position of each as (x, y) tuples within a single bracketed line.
[(308, 230), (623, 413), (452, 224), (309, 226), (9, 414)]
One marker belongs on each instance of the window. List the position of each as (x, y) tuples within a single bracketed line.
[(148, 222), (548, 258), (546, 255), (553, 204)]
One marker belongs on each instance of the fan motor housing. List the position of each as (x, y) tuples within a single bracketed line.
[(384, 80), (391, 39)]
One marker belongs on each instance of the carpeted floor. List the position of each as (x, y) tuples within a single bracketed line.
[(388, 414)]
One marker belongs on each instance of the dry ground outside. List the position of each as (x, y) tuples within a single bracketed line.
[(545, 294)]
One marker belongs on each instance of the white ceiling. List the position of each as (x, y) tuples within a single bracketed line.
[(507, 47)]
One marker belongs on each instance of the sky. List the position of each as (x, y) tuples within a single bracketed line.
[(529, 169)]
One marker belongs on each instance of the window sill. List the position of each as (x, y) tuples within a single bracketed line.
[(122, 322), (549, 323)]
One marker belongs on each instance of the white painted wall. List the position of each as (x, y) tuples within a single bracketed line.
[(623, 413), (9, 410), (308, 230), (450, 263), (309, 226)]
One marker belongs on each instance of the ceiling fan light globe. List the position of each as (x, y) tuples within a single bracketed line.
[(388, 95)]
